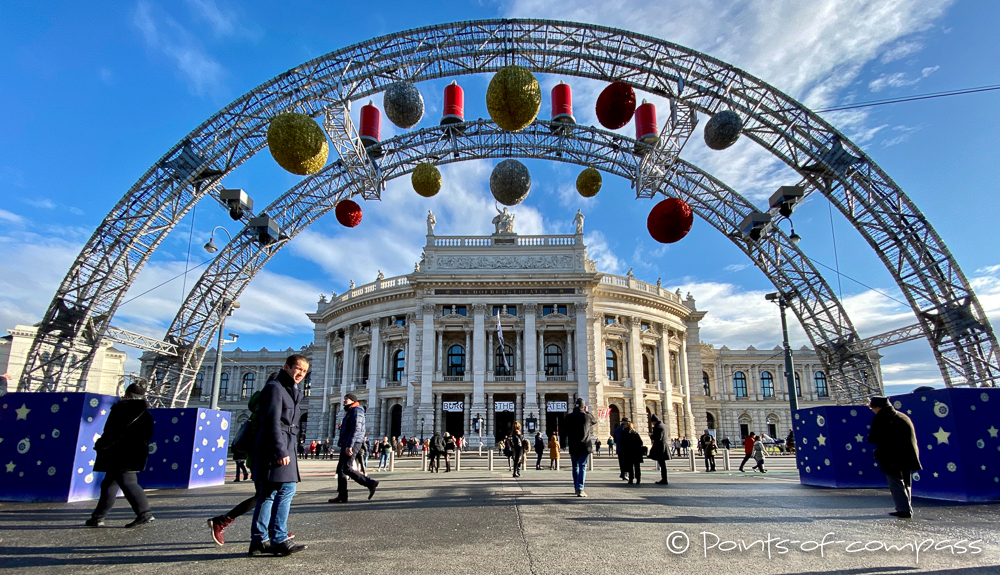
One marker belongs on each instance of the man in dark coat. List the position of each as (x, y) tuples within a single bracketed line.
[(121, 453), (539, 449), (275, 465), (435, 452), (578, 426), (659, 450), (352, 435), (617, 435), (896, 451)]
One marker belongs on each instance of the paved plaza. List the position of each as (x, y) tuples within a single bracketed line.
[(476, 521)]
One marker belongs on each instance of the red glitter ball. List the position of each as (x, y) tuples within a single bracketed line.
[(670, 220), (615, 105), (348, 213)]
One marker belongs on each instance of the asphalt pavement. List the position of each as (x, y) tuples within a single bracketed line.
[(481, 522)]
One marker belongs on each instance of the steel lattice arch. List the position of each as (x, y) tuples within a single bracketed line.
[(950, 316)]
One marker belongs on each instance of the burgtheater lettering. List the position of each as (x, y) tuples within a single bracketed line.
[(501, 406), (453, 406), (506, 291)]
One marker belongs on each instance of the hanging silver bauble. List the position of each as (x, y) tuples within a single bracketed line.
[(510, 182), (404, 106), (723, 129)]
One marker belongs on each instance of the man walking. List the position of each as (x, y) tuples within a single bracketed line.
[(659, 451), (708, 448), (896, 452), (539, 449), (275, 465), (578, 426), (352, 435), (617, 436), (748, 442)]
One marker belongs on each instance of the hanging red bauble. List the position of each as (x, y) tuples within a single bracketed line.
[(670, 220), (348, 213), (615, 105)]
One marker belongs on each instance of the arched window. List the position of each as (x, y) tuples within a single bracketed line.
[(645, 368), (456, 360), (498, 365), (365, 367), (398, 365), (553, 360), (307, 385), (611, 364), (821, 390), (767, 384), (704, 384), (224, 384), (798, 386), (247, 389), (740, 384), (199, 382)]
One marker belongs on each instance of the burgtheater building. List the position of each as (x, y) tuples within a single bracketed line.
[(494, 329)]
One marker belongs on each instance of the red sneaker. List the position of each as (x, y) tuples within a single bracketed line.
[(217, 525)]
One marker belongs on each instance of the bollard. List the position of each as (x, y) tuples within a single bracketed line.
[(489, 458), (590, 462), (725, 459), (392, 461), (558, 461), (458, 460), (691, 464), (423, 461)]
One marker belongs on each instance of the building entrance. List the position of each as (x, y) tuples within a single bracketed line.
[(504, 415), (556, 406), (396, 425), (454, 414)]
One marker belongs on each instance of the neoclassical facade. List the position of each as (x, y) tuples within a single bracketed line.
[(106, 374), (506, 328)]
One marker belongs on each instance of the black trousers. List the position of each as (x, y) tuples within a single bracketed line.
[(242, 507), (709, 463), (634, 471), (538, 464), (242, 464), (622, 466), (663, 470), (345, 470), (134, 494), (517, 455), (745, 459)]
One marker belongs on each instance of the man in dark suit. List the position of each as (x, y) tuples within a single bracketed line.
[(578, 426), (352, 435), (896, 452), (275, 465), (658, 451)]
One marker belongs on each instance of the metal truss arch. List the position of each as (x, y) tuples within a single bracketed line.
[(813, 301), (927, 274)]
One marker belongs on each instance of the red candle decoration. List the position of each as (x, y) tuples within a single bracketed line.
[(615, 105), (348, 213), (670, 220)]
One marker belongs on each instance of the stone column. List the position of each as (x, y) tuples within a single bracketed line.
[(530, 355), (490, 352), (439, 366), (664, 367), (383, 427), (411, 360), (569, 354), (635, 357), (583, 375), (478, 354), (426, 363), (686, 382), (326, 378), (469, 357), (438, 414), (374, 362), (348, 366), (467, 415), (542, 412), (489, 417), (540, 351), (519, 359)]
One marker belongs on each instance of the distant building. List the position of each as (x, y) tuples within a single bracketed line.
[(423, 351), (106, 372)]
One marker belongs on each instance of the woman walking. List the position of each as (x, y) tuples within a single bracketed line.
[(517, 447), (121, 453), (631, 448), (759, 454), (554, 451)]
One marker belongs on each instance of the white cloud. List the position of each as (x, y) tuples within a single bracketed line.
[(901, 50), (10, 217), (899, 79), (223, 22), (599, 251), (162, 33)]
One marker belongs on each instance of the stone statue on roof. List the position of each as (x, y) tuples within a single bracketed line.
[(430, 223), (504, 222), (578, 220)]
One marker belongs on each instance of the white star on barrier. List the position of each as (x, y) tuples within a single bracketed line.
[(10, 467), (992, 431), (941, 435), (859, 438), (821, 439), (23, 412)]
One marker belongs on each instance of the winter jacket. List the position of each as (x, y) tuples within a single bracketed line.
[(279, 410), (631, 446), (352, 429), (539, 444), (553, 448), (748, 444), (758, 450), (895, 442), (124, 445), (578, 426), (438, 445), (659, 451)]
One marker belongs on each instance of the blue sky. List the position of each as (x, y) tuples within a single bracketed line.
[(94, 93)]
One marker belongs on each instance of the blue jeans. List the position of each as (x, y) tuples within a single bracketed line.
[(579, 470), (383, 462), (270, 516)]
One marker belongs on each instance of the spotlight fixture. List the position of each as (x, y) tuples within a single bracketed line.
[(785, 198), (754, 226), (238, 202), (266, 229)]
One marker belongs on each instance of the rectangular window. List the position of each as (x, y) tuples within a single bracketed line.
[(400, 321), (644, 326), (609, 320), (547, 309), (454, 309), (498, 309)]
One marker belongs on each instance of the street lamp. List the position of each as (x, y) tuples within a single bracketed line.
[(227, 309), (789, 369), (422, 419), (531, 422), (479, 424), (210, 247)]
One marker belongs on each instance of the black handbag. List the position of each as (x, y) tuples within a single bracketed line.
[(244, 440)]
